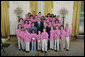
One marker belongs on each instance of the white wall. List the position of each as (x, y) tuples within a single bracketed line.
[(57, 5), (25, 6)]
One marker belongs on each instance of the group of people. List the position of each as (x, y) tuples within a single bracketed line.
[(42, 32)]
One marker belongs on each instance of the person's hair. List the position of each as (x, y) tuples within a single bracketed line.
[(48, 14), (57, 20), (22, 27), (44, 19), (61, 26), (31, 15), (25, 21), (18, 26), (52, 15), (33, 11), (39, 12), (20, 19), (55, 15)]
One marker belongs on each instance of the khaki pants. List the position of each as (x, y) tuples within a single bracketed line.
[(61, 45), (51, 44), (56, 44), (27, 46), (67, 42), (19, 42), (44, 45), (23, 45)]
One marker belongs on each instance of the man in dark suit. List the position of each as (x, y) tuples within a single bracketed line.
[(39, 25)]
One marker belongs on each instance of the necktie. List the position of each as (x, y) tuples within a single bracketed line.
[(39, 24)]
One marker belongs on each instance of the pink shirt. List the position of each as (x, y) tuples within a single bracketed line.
[(68, 32), (49, 25), (39, 16), (34, 15), (27, 26), (63, 33), (18, 32), (39, 38), (27, 37), (21, 22), (56, 24), (22, 35), (34, 37), (34, 20), (53, 22), (45, 35), (57, 34), (52, 35), (47, 20)]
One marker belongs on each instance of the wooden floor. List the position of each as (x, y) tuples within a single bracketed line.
[(76, 49)]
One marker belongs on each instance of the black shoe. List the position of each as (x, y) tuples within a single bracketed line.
[(27, 51), (45, 51), (67, 49), (55, 50), (23, 50), (42, 51)]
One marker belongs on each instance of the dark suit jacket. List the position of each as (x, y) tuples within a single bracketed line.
[(39, 28)]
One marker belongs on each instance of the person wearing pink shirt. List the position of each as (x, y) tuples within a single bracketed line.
[(56, 23), (22, 38), (26, 17), (51, 38), (68, 36), (18, 35), (53, 21), (50, 24), (31, 18), (44, 40), (48, 17), (62, 38), (57, 18), (34, 19), (27, 40), (43, 18), (21, 21), (39, 40), (57, 34), (39, 15), (33, 39)]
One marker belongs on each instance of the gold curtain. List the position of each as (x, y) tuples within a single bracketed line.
[(48, 7), (34, 6), (4, 18), (76, 18)]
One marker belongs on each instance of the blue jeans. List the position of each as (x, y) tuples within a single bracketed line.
[(33, 46)]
